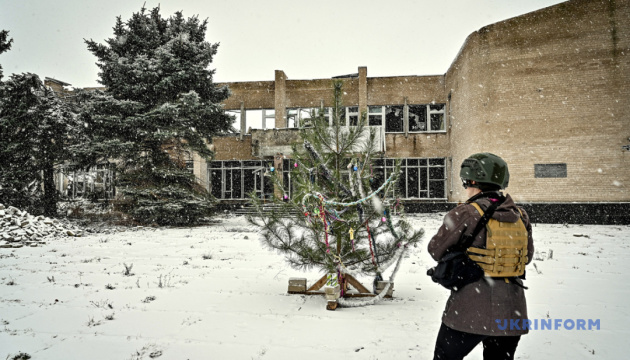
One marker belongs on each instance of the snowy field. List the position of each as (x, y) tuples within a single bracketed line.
[(215, 293)]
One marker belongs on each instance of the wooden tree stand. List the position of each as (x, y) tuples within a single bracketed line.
[(352, 288)]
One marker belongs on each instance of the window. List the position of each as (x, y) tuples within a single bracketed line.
[(376, 114), (550, 170), (234, 180), (287, 182), (417, 118), (352, 115), (190, 166), (255, 119), (292, 118), (301, 117), (268, 118), (394, 118), (97, 181), (420, 178), (436, 114), (341, 116), (348, 116), (422, 118)]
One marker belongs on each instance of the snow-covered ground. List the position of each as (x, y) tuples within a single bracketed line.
[(215, 293)]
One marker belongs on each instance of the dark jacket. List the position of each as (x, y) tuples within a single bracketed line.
[(476, 307)]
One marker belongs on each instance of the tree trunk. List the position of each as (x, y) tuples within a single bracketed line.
[(50, 193)]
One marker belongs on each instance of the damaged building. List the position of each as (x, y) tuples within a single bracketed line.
[(547, 91)]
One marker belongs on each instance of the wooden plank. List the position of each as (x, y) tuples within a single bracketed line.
[(347, 295), (318, 285), (357, 285)]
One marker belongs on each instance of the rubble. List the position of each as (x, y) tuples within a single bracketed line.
[(19, 228)]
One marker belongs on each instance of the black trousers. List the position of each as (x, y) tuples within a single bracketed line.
[(454, 345)]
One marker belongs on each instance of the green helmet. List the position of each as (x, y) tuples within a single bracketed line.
[(486, 168)]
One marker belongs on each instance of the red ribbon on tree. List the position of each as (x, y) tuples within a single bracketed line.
[(323, 215), (370, 242)]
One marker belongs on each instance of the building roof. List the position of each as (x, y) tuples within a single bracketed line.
[(57, 81)]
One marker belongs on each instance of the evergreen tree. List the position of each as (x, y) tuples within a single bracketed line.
[(5, 44), (37, 129), (336, 220), (159, 104)]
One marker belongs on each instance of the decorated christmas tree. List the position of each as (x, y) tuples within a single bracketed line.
[(337, 216)]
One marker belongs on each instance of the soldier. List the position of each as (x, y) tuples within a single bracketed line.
[(502, 248)]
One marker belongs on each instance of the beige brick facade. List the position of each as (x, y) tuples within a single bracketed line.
[(548, 87)]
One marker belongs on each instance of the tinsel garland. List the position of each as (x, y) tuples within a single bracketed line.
[(323, 169), (348, 204), (348, 303), (341, 269)]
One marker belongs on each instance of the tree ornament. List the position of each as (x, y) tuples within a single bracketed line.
[(272, 169), (337, 204), (295, 165)]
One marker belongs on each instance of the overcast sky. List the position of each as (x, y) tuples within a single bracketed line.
[(306, 39)]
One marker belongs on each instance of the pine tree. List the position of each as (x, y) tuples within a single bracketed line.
[(337, 220), (159, 104), (37, 129)]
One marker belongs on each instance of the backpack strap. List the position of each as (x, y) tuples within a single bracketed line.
[(476, 206), (466, 240)]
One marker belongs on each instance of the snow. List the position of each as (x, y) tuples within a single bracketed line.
[(224, 296)]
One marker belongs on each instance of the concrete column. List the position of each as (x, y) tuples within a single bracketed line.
[(362, 89), (243, 120), (280, 99), (406, 117)]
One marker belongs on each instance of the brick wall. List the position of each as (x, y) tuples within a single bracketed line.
[(232, 148), (417, 90), (255, 95), (549, 87), (417, 145)]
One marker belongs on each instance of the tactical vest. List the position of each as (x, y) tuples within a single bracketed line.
[(505, 254)]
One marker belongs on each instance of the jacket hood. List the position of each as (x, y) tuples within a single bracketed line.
[(506, 212)]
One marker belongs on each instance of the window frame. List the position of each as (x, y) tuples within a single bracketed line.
[(405, 108), (259, 169), (422, 163), (74, 177)]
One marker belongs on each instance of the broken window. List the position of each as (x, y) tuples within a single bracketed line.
[(420, 178), (436, 113), (422, 117), (394, 118), (96, 182), (302, 117), (292, 118), (235, 180), (417, 118), (268, 118), (255, 119)]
